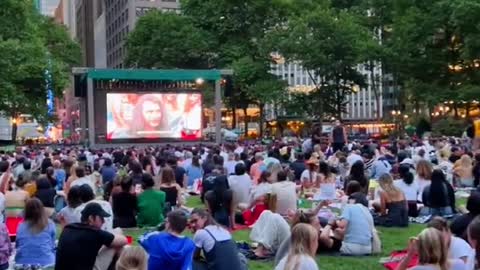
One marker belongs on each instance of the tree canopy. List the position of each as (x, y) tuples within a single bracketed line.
[(31, 44)]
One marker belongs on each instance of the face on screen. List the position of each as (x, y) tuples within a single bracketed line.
[(152, 114)]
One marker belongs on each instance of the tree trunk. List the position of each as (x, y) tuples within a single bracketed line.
[(455, 110), (261, 107), (234, 117), (371, 69), (467, 109), (245, 120), (14, 131)]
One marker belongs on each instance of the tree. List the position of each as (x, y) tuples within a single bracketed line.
[(435, 45), (168, 40), (320, 39), (26, 41)]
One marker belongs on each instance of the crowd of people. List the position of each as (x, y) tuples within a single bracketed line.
[(299, 198)]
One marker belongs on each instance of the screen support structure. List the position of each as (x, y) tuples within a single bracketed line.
[(90, 104)]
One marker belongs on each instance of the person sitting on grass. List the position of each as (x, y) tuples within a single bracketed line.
[(438, 197), (68, 215), (393, 208), (219, 202), (301, 255), (124, 205), (6, 248), (173, 191), (132, 258), (219, 249), (432, 253), (460, 224), (169, 249), (354, 226), (473, 232), (151, 203), (457, 247), (35, 242), (85, 245), (16, 199), (270, 231)]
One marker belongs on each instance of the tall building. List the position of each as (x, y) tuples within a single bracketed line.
[(361, 106), (121, 17), (85, 20)]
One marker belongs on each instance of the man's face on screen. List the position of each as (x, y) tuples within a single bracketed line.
[(152, 113)]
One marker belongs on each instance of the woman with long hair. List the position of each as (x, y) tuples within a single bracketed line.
[(220, 202), (423, 175), (409, 187), (357, 173), (170, 187), (219, 249), (438, 197), (194, 171), (432, 253), (149, 118), (132, 258), (35, 242), (393, 206), (125, 205), (463, 171), (460, 224), (304, 243)]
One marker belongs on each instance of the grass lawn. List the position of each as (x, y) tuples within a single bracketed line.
[(392, 239)]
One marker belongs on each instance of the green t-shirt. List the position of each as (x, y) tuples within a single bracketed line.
[(151, 204)]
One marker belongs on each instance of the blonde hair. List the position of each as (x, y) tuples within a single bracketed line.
[(424, 169), (132, 258), (386, 183), (432, 248), (302, 237)]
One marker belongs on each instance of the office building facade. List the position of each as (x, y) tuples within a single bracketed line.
[(362, 106)]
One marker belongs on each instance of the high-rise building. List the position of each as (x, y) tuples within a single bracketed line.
[(361, 106), (85, 20), (121, 17)]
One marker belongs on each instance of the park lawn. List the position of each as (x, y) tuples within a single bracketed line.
[(392, 239)]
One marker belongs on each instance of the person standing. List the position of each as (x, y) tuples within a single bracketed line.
[(338, 137)]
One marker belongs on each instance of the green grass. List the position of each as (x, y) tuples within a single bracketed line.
[(392, 239)]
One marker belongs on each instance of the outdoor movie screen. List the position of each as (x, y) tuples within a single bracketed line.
[(153, 115)]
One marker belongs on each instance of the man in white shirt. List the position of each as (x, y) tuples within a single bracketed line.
[(353, 157), (83, 179), (230, 164), (286, 192)]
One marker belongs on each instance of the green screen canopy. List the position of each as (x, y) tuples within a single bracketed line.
[(154, 74)]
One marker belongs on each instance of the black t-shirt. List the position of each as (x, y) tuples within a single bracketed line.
[(78, 246), (460, 224), (179, 174), (298, 167), (124, 206)]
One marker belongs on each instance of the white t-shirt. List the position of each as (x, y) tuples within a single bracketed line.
[(286, 196), (460, 248), (84, 180), (260, 190), (230, 166), (304, 263), (422, 183), (306, 175), (204, 240), (352, 158), (410, 191), (240, 185)]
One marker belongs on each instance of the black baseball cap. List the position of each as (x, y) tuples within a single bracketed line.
[(94, 209)]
